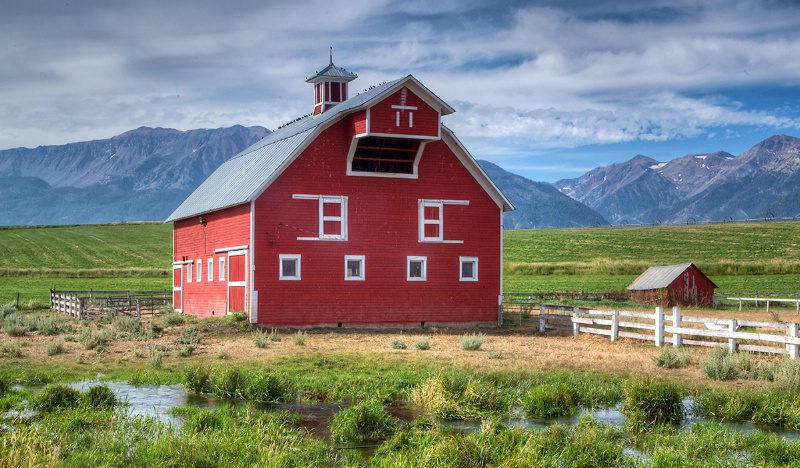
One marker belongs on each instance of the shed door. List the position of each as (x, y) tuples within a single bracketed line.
[(237, 281), (177, 287)]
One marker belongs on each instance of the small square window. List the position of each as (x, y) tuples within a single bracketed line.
[(290, 267), (417, 268), (354, 267), (469, 268), (221, 269)]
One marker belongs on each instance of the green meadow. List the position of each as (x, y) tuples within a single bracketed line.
[(757, 257)]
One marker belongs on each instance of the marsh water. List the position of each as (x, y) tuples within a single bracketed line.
[(157, 401)]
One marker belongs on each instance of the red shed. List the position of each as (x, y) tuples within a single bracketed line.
[(673, 285), (367, 211)]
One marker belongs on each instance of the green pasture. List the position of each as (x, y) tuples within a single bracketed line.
[(756, 257)]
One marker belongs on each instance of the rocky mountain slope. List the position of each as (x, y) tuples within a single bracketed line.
[(762, 182)]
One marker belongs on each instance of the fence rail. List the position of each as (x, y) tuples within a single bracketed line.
[(87, 304), (745, 335)]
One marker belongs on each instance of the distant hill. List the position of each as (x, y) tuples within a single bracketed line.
[(761, 182), (139, 175), (538, 204)]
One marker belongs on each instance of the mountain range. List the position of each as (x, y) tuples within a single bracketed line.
[(144, 174), (762, 182)]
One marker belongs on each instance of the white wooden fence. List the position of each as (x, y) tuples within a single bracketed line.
[(745, 335)]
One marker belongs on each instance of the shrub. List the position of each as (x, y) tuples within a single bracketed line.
[(472, 342), (157, 354), (423, 343), (172, 318), (186, 350), (7, 310), (260, 338), (93, 338), (190, 336), (300, 338), (649, 402), (787, 374), (56, 347), (550, 400), (100, 396), (274, 335), (49, 326), (365, 422), (15, 329), (239, 316), (270, 387), (398, 344), (56, 396), (672, 358), (133, 326), (719, 365), (10, 349)]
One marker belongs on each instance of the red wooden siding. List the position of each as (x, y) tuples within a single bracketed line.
[(193, 241), (382, 219), (423, 121)]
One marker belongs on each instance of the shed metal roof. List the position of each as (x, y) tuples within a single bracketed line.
[(658, 277), (242, 178)]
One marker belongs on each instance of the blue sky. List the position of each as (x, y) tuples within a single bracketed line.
[(545, 89)]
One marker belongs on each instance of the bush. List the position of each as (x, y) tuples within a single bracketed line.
[(172, 318), (719, 365), (100, 396), (92, 338), (49, 326), (672, 358), (423, 343), (300, 338), (260, 338), (472, 342), (550, 400), (398, 344), (786, 374), (186, 350), (10, 349), (274, 335), (7, 310), (157, 354), (190, 336), (239, 316), (198, 380), (365, 422), (56, 396), (230, 383), (15, 329), (56, 347)]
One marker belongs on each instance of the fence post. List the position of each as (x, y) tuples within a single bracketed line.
[(792, 348), (542, 320), (732, 341), (677, 340), (615, 326), (138, 308), (576, 327), (659, 326)]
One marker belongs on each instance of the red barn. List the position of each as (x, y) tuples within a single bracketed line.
[(367, 211), (673, 285)]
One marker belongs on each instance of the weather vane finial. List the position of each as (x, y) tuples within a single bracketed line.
[(331, 55)]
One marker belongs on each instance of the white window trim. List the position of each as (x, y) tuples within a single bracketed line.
[(283, 257), (360, 258), (199, 270), (461, 262), (422, 222), (189, 272), (221, 262), (322, 199), (424, 261), (210, 269)]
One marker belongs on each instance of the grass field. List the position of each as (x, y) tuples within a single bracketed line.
[(738, 257)]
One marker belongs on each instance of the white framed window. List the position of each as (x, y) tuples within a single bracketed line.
[(199, 270), (417, 268), (431, 220), (354, 268), (222, 268), (332, 216), (468, 268), (289, 265), (189, 272), (210, 269)]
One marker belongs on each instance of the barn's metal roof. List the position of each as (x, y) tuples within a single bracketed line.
[(658, 277), (332, 71), (242, 178)]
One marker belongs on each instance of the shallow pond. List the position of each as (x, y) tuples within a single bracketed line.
[(158, 401)]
